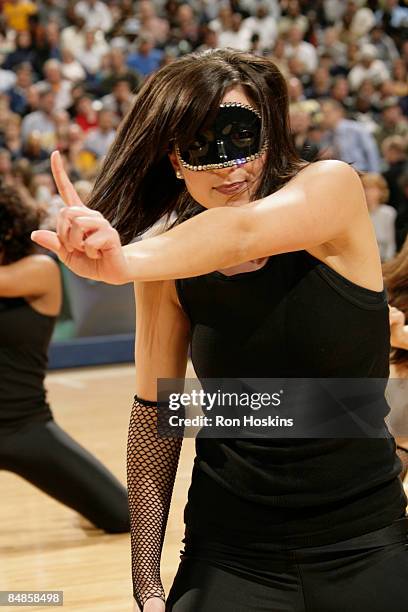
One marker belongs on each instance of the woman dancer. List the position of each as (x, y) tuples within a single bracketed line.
[(32, 444), (278, 275), (395, 274)]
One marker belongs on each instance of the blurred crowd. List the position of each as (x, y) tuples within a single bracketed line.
[(69, 71)]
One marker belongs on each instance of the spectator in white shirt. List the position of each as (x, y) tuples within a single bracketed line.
[(94, 49), (295, 90), (7, 80), (333, 10), (100, 139), (301, 50), (73, 37), (279, 58), (42, 121), (96, 14), (150, 23), (363, 19), (264, 25), (222, 21), (71, 69), (368, 67), (386, 48), (293, 17), (61, 87), (331, 44), (237, 37), (229, 30)]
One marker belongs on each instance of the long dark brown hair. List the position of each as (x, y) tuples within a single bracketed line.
[(137, 185), (395, 273), (19, 216)]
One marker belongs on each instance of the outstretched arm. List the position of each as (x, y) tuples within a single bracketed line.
[(162, 338), (319, 207), (323, 203)]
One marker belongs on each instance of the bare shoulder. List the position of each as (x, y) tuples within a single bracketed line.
[(37, 266), (354, 253), (336, 187), (43, 261), (330, 174), (35, 277), (329, 166)]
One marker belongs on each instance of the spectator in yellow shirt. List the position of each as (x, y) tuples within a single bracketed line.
[(17, 12)]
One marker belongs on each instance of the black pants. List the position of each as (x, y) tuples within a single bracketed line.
[(368, 573), (45, 455)]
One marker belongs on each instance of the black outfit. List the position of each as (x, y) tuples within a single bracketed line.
[(303, 525), (356, 575), (32, 444)]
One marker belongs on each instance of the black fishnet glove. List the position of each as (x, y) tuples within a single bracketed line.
[(151, 470)]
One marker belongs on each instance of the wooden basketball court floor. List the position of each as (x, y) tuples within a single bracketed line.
[(47, 546)]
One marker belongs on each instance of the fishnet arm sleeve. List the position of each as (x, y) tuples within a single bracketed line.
[(151, 470)]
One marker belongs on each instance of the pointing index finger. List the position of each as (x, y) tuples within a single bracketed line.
[(64, 185)]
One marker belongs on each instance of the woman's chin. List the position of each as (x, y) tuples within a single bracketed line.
[(240, 199)]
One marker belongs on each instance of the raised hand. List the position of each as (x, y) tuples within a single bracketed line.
[(396, 316), (398, 328), (84, 241)]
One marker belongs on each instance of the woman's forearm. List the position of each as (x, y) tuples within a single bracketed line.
[(213, 239)]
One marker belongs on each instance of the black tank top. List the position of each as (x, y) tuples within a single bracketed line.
[(24, 338), (294, 317)]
